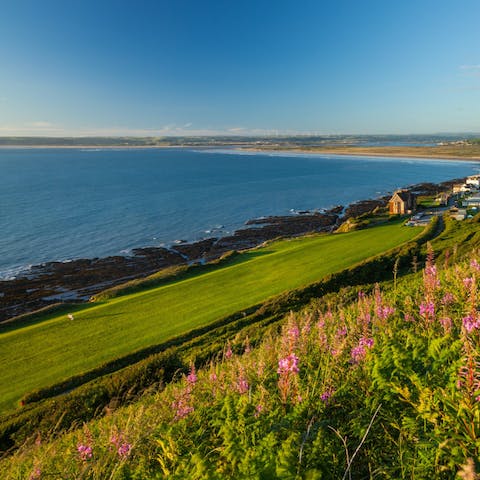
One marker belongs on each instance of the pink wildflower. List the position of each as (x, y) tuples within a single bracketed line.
[(468, 282), (121, 445), (475, 265), (383, 312), (359, 352), (228, 352), (446, 323), (408, 317), (213, 377), (447, 299), (288, 365), (258, 410), (192, 376), (367, 342), (85, 451), (341, 332), (326, 395), (242, 385), (36, 474), (470, 323), (182, 408), (124, 450), (293, 332), (306, 328), (427, 309), (288, 381), (431, 270)]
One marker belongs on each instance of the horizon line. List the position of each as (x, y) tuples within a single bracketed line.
[(244, 135)]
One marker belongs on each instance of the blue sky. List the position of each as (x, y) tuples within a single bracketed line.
[(81, 67)]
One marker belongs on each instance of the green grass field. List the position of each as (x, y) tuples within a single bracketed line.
[(56, 348)]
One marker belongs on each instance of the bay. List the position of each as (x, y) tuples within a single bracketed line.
[(61, 204)]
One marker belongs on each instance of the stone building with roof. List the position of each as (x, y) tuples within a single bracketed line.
[(402, 202)]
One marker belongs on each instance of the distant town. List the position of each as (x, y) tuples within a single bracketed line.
[(460, 202)]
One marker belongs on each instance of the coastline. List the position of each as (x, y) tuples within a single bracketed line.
[(76, 281), (389, 152), (462, 153)]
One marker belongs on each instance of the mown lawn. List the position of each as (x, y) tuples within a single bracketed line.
[(57, 348)]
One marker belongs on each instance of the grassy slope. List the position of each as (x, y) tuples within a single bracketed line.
[(48, 351)]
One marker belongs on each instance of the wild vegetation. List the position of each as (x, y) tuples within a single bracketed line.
[(383, 384)]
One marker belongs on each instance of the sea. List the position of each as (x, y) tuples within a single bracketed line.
[(62, 204)]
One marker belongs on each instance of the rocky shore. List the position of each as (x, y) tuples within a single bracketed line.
[(78, 280)]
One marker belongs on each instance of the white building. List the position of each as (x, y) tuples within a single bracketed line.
[(458, 213), (473, 201), (473, 180)]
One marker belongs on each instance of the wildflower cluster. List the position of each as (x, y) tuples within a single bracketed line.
[(288, 365), (359, 352), (120, 444), (85, 452)]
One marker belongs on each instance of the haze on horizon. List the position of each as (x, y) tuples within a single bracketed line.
[(155, 68)]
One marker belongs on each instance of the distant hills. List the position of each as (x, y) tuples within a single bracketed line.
[(234, 140)]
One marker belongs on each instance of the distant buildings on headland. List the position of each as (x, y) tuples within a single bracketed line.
[(463, 200)]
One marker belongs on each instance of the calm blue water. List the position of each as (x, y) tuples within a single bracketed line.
[(59, 204)]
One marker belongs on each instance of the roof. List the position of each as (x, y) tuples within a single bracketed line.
[(404, 195)]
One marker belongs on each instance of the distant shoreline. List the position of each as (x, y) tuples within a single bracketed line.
[(400, 152), (93, 147), (440, 152)]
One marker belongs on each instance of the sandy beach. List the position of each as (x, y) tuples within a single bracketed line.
[(444, 152)]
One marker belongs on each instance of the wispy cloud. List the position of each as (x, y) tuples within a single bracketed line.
[(40, 125), (32, 128)]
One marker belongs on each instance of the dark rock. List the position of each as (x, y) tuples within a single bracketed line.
[(364, 206), (196, 250), (335, 210), (77, 280)]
